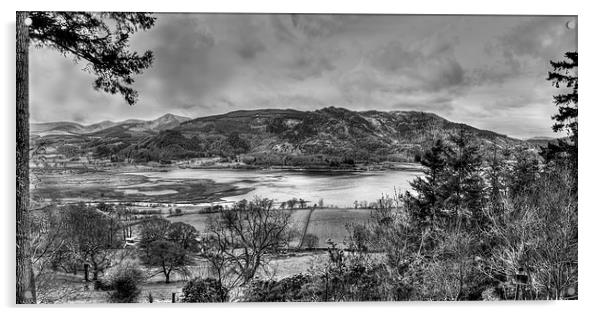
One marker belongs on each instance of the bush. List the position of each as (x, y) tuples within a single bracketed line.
[(290, 289), (204, 291), (123, 282), (311, 241)]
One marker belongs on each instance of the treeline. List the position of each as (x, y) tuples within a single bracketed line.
[(499, 228), (173, 145)]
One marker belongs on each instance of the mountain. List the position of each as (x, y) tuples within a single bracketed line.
[(57, 128), (271, 136), (544, 141), (281, 136), (166, 121)]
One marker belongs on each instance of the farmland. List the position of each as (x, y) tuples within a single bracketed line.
[(325, 223)]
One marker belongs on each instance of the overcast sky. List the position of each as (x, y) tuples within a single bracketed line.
[(486, 71)]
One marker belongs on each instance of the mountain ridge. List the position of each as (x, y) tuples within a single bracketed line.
[(281, 136), (165, 121)]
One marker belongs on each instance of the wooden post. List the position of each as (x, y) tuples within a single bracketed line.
[(25, 291), (173, 297)]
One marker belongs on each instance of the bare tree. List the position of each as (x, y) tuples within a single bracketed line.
[(536, 235), (87, 239), (168, 246), (244, 236), (168, 257)]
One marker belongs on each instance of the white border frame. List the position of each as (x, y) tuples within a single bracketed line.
[(589, 26)]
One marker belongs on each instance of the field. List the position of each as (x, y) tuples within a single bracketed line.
[(325, 223), (331, 224), (76, 291)]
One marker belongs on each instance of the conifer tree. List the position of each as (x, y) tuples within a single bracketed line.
[(464, 186), (427, 203), (101, 41), (564, 73), (564, 76)]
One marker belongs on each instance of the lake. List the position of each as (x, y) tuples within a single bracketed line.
[(336, 188)]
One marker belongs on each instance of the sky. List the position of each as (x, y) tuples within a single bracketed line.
[(486, 71)]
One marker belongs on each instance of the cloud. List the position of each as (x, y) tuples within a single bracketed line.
[(526, 49), (422, 67), (322, 25), (442, 105), (423, 75), (471, 69), (248, 49)]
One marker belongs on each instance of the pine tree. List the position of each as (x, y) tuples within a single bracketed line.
[(101, 40), (464, 186), (564, 76), (427, 203), (564, 73)]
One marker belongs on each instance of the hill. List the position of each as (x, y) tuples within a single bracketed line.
[(543, 141), (327, 137), (164, 122)]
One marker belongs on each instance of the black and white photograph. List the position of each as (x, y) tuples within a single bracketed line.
[(207, 157)]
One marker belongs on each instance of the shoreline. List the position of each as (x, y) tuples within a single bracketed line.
[(358, 168)]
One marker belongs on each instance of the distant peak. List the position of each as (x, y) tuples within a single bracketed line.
[(170, 116)]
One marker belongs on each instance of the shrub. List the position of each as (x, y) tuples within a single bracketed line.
[(290, 289), (204, 291), (123, 281), (311, 241)]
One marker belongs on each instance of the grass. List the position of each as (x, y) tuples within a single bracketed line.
[(331, 223), (325, 223)]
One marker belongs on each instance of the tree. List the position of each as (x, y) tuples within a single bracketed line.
[(88, 237), (153, 230), (426, 204), (247, 233), (564, 75), (451, 191), (168, 246), (102, 41), (25, 287), (537, 233), (184, 235), (123, 281), (302, 203), (168, 257), (47, 240), (291, 203), (464, 186)]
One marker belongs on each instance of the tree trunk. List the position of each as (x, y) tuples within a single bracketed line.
[(86, 272), (95, 271), (26, 293)]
